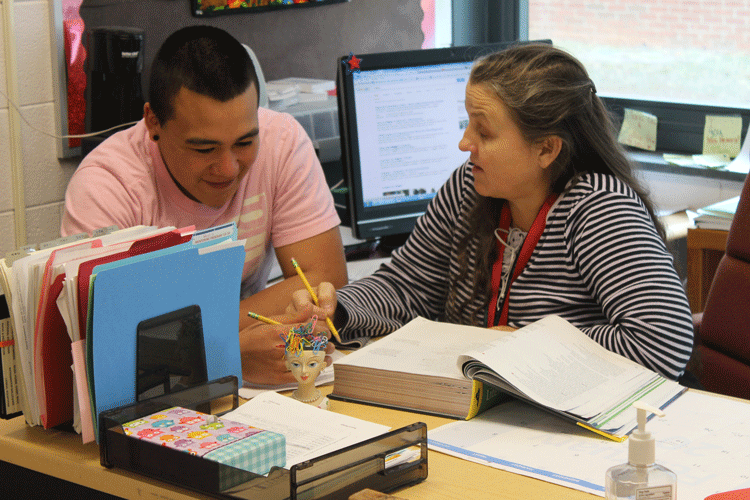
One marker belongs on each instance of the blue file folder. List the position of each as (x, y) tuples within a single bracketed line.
[(125, 295)]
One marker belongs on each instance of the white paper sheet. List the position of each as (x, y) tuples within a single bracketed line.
[(309, 431), (704, 439)]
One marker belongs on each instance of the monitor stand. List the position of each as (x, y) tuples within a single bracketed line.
[(389, 243)]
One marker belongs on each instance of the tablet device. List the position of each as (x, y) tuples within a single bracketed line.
[(170, 353)]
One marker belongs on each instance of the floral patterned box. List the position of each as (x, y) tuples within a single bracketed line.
[(230, 443)]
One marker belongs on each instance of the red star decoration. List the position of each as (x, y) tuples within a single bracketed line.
[(353, 62)]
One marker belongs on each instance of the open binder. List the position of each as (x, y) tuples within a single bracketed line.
[(331, 476)]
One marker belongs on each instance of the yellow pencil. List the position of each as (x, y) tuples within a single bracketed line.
[(263, 319), (314, 297), (619, 439)]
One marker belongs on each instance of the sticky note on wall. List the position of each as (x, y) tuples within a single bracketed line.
[(638, 130), (722, 135)]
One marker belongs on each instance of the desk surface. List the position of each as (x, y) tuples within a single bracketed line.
[(61, 454)]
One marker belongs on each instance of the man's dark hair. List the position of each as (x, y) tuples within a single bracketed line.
[(203, 59)]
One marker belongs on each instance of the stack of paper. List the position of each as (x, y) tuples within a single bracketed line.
[(75, 304), (10, 404), (298, 88), (718, 215), (287, 416), (281, 96)]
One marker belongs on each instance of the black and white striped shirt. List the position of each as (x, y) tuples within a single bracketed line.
[(600, 264)]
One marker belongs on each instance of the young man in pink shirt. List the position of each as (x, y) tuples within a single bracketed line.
[(205, 154)]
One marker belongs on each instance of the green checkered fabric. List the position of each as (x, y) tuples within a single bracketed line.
[(256, 453)]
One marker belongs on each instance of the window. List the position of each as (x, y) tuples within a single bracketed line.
[(691, 51), (694, 51), (677, 60)]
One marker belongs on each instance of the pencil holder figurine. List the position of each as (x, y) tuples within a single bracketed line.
[(305, 354)]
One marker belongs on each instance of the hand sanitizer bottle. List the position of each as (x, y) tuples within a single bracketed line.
[(641, 478)]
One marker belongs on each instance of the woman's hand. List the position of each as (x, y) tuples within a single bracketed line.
[(302, 301)]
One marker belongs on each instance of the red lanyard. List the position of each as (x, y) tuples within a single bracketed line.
[(529, 243)]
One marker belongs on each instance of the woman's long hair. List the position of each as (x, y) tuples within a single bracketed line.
[(548, 93)]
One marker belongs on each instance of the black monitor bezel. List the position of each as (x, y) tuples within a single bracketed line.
[(408, 211)]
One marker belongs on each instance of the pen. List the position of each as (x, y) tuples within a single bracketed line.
[(263, 319), (314, 297)]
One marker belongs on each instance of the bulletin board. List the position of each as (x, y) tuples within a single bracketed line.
[(207, 8)]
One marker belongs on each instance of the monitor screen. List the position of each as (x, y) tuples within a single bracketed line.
[(401, 117)]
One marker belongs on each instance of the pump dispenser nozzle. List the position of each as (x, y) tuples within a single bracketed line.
[(641, 477), (641, 444)]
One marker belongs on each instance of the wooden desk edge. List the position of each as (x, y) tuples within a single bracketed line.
[(62, 455), (701, 242)]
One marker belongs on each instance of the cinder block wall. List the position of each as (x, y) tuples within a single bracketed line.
[(44, 176)]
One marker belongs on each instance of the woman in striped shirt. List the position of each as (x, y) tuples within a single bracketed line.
[(544, 218)]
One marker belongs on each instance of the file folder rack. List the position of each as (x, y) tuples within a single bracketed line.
[(336, 475)]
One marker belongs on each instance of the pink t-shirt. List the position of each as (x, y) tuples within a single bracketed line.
[(283, 198)]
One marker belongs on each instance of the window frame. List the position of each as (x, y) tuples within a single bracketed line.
[(489, 21), (680, 124)]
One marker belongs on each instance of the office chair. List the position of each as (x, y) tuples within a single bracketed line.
[(263, 98), (722, 330)]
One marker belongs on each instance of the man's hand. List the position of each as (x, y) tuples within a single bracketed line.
[(262, 348)]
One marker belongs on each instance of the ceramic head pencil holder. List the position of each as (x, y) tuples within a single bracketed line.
[(305, 354)]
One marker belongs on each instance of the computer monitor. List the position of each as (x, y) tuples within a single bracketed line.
[(401, 117)]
